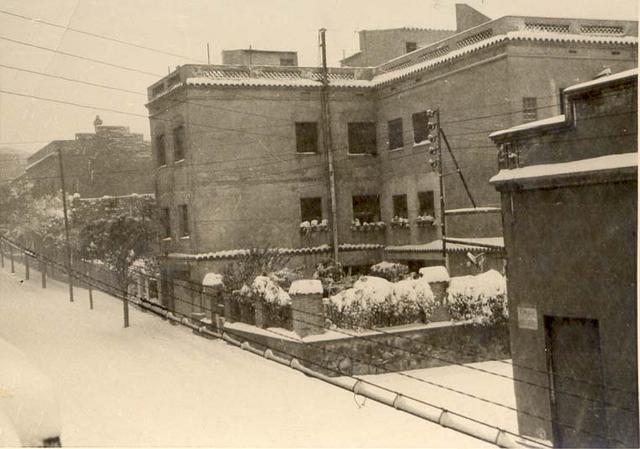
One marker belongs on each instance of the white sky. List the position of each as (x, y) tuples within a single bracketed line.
[(184, 27)]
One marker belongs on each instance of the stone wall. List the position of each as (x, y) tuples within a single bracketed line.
[(397, 349)]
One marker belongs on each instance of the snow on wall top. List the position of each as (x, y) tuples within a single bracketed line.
[(596, 164), (306, 287), (212, 280), (434, 274)]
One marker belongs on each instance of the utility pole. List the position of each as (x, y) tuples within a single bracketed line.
[(437, 136), (328, 144), (208, 55), (66, 225)]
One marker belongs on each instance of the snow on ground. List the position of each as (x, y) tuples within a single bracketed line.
[(156, 384), (487, 386)]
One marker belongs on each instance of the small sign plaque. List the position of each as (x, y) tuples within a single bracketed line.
[(527, 318)]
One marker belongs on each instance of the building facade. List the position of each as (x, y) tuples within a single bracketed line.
[(250, 56), (569, 204), (380, 46), (241, 161), (110, 162)]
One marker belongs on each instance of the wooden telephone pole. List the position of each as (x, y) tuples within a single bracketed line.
[(328, 144)]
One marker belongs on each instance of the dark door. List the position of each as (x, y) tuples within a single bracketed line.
[(577, 393)]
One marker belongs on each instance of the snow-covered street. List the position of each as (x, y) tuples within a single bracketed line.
[(157, 384)]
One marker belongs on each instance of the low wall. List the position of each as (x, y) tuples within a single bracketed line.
[(397, 349)]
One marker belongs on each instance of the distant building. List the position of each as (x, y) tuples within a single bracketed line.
[(249, 57), (379, 46), (12, 164), (112, 161), (240, 157), (569, 204)]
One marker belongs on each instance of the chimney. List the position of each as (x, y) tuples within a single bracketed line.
[(97, 122), (468, 17)]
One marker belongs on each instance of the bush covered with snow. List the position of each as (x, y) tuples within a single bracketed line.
[(376, 302), (481, 298), (389, 270), (275, 302)]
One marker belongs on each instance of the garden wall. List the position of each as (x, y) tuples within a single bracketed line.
[(397, 349)]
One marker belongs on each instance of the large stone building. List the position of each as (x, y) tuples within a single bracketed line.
[(240, 157), (569, 203), (110, 162)]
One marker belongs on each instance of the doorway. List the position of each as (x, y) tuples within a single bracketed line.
[(577, 383)]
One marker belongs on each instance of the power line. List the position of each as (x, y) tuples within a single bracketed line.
[(113, 290), (99, 36), (85, 58)]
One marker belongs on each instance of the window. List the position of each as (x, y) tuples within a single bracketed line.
[(529, 109), (311, 209), (400, 206), (178, 143), (410, 46), (425, 203), (166, 222), (184, 220), (287, 62), (366, 208), (306, 137), (395, 134), (362, 138), (160, 150), (420, 126)]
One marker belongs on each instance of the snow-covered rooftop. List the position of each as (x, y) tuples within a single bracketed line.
[(236, 253), (473, 210), (584, 166), (603, 80), (436, 246), (556, 120)]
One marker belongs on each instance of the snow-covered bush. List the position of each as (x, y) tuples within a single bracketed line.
[(256, 262), (480, 298), (276, 302), (389, 270), (376, 302)]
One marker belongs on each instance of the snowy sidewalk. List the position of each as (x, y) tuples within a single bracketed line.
[(155, 384)]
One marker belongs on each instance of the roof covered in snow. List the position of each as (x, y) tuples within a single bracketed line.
[(238, 253), (436, 246), (603, 80), (505, 29), (547, 122), (612, 163)]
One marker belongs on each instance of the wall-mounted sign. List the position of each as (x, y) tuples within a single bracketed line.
[(527, 318)]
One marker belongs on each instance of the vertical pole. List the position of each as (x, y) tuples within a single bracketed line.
[(125, 308), (26, 266), (66, 225), (1, 253), (13, 268), (43, 273), (441, 182), (208, 55), (89, 278), (328, 145)]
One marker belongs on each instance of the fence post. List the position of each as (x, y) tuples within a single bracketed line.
[(89, 278), (2, 253), (26, 266), (43, 273), (307, 311), (13, 268)]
